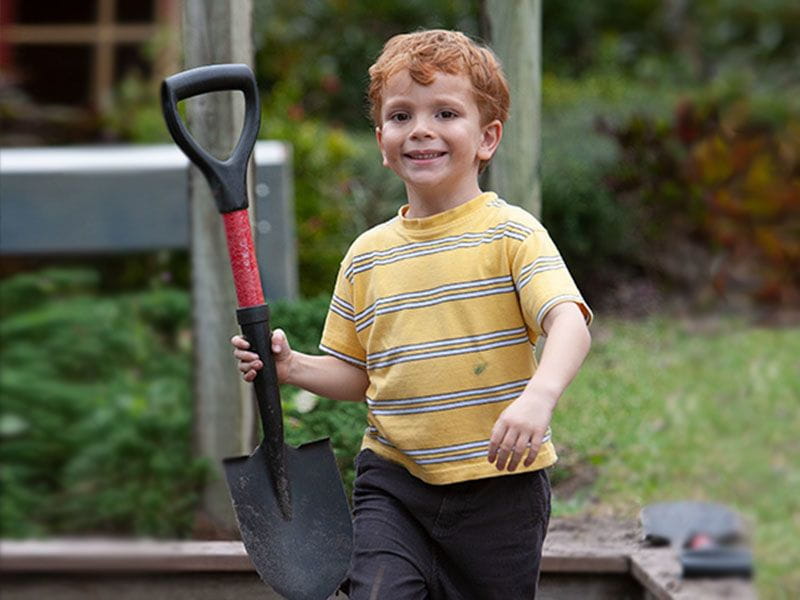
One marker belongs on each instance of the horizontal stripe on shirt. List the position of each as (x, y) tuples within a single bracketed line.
[(345, 357), (459, 399), (454, 453), (432, 297), (365, 262), (448, 347)]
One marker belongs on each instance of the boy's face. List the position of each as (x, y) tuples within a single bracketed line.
[(432, 137)]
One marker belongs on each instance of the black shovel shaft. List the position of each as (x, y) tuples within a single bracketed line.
[(254, 321)]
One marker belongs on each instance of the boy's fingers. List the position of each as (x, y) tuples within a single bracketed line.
[(533, 448), (498, 433), (532, 452), (278, 342), (520, 448), (245, 356), (506, 449), (247, 366), (240, 342), (503, 455)]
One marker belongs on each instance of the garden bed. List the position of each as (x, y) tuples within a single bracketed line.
[(583, 559)]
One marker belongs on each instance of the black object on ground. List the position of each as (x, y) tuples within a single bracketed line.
[(704, 534)]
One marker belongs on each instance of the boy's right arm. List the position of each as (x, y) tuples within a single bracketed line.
[(325, 375)]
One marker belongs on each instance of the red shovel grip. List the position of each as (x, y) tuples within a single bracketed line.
[(243, 259)]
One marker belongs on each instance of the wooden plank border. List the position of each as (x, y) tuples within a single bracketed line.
[(570, 549)]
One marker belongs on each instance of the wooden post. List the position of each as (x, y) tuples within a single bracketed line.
[(513, 28), (215, 32)]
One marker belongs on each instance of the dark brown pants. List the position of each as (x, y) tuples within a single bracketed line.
[(472, 540)]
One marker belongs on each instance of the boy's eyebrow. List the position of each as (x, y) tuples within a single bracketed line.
[(443, 100), (393, 102), (448, 99)]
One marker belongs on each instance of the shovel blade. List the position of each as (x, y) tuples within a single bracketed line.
[(307, 556)]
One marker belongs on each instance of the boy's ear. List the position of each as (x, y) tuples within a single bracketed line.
[(379, 137), (492, 134)]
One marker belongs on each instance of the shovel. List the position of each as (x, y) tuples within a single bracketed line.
[(289, 502)]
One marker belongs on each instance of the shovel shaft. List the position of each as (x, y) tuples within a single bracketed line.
[(305, 554), (228, 182), (254, 322)]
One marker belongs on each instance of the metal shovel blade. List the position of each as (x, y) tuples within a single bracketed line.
[(307, 556)]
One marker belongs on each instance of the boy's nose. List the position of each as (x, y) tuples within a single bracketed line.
[(421, 129)]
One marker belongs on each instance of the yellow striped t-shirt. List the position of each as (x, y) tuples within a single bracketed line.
[(443, 312)]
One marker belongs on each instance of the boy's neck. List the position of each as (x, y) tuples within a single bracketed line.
[(432, 202)]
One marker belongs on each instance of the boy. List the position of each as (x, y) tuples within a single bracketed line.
[(432, 322)]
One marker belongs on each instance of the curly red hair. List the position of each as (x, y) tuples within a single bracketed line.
[(425, 53)]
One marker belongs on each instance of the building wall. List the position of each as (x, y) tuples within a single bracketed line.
[(74, 53)]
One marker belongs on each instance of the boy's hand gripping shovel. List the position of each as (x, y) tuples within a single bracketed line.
[(289, 502)]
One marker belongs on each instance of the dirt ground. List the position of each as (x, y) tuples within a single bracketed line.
[(601, 540)]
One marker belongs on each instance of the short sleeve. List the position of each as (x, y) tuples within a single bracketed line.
[(339, 337), (543, 281)]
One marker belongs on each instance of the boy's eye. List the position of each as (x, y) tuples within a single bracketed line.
[(447, 114), (400, 117)]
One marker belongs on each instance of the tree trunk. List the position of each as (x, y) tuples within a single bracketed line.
[(513, 28), (215, 32)]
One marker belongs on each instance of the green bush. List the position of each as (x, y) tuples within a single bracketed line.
[(96, 419), (714, 193), (340, 186), (375, 193), (583, 216), (96, 422), (302, 320), (135, 113), (322, 168), (324, 48), (686, 39)]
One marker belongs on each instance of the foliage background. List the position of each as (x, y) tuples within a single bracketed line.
[(670, 178)]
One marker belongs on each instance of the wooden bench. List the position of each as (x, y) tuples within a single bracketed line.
[(583, 559)]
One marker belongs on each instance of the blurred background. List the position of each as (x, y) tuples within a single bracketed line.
[(670, 181)]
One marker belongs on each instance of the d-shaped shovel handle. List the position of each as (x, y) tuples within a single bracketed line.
[(227, 178), (228, 182)]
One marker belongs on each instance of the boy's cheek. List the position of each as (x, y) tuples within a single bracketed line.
[(379, 138)]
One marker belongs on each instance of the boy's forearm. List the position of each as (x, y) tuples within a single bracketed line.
[(568, 342), (328, 377)]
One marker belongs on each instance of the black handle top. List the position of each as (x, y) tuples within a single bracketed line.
[(228, 178)]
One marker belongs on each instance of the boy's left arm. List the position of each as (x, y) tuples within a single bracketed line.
[(520, 428)]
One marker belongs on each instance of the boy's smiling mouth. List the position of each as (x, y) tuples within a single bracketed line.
[(424, 155)]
